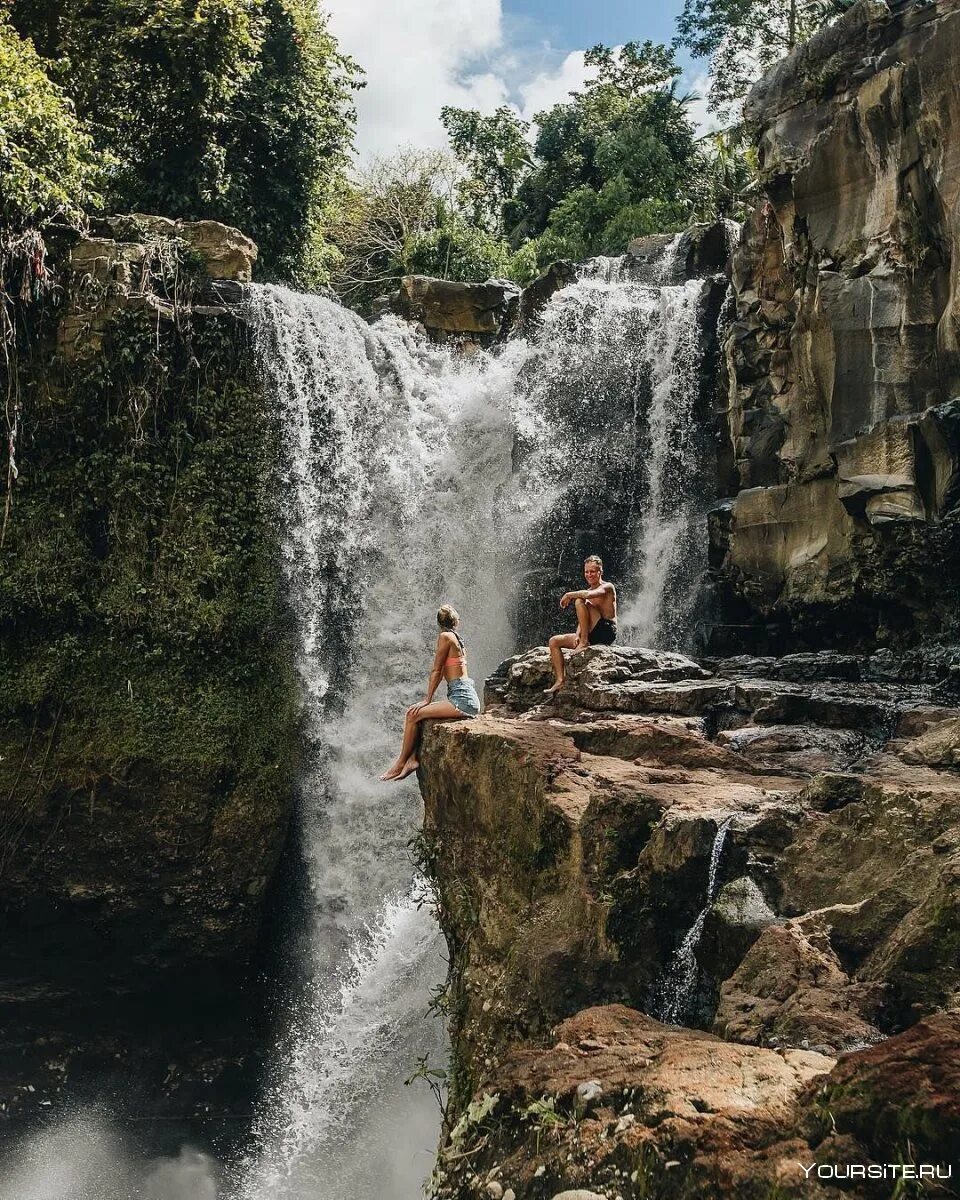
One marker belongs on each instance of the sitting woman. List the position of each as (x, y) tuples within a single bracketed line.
[(449, 663)]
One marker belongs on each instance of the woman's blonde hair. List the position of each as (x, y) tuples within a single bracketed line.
[(448, 617)]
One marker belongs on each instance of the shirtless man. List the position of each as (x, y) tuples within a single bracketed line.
[(596, 609)]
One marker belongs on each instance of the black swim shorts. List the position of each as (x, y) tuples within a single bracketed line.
[(604, 633)]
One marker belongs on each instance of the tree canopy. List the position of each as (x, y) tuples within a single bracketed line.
[(48, 165), (619, 159), (238, 110)]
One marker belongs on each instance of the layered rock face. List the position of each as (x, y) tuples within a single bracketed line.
[(148, 707), (703, 923), (841, 427)]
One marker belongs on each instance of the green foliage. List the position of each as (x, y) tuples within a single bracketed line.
[(47, 162), (617, 160), (291, 133), (237, 110), (744, 38), (496, 155)]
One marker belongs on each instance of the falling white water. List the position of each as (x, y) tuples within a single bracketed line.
[(669, 545), (403, 489), (399, 495), (618, 360), (678, 988)]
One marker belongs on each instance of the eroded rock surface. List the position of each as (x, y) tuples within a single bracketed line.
[(571, 842), (842, 428)]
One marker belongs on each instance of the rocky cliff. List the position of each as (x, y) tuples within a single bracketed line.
[(704, 924), (147, 702), (841, 422)]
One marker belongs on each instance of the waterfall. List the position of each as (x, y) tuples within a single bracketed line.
[(398, 494), (676, 993), (617, 360), (409, 476)]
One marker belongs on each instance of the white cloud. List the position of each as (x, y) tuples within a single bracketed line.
[(704, 121), (418, 55), (422, 54), (553, 87)]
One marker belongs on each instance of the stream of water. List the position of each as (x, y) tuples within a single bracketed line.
[(678, 990)]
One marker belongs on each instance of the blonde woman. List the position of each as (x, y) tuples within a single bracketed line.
[(450, 664)]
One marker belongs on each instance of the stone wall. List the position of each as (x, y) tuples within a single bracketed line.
[(841, 438)]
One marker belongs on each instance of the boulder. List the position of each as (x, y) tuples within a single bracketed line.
[(450, 307)]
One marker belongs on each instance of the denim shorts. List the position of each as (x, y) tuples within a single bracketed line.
[(463, 695)]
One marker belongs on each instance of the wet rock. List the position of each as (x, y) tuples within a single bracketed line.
[(450, 307), (790, 990), (525, 308), (613, 678), (796, 747), (938, 746), (739, 915)]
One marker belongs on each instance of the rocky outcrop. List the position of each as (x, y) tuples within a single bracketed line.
[(141, 262), (841, 427), (444, 306), (571, 841)]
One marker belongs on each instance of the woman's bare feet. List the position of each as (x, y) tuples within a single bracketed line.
[(391, 773), (552, 691), (408, 768)]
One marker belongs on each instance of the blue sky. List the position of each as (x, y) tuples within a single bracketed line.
[(574, 24), (422, 54)]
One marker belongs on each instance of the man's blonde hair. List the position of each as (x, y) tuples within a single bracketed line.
[(594, 558), (448, 617)]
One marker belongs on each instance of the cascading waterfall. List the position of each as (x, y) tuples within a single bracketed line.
[(396, 477), (402, 488), (618, 358), (677, 992)]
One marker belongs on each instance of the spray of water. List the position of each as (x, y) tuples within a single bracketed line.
[(88, 1158)]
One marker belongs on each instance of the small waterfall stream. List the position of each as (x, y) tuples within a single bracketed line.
[(678, 989)]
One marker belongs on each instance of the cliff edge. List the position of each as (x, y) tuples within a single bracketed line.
[(703, 924)]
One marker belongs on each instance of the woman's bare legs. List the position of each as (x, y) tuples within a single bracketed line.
[(407, 762)]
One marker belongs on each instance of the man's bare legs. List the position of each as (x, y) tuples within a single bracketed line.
[(587, 616), (558, 643), (406, 761)]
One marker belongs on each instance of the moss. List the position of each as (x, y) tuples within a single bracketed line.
[(143, 632)]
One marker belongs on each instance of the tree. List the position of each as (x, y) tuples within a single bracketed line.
[(618, 160), (495, 154), (744, 38), (48, 165), (289, 144), (403, 215), (237, 110)]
